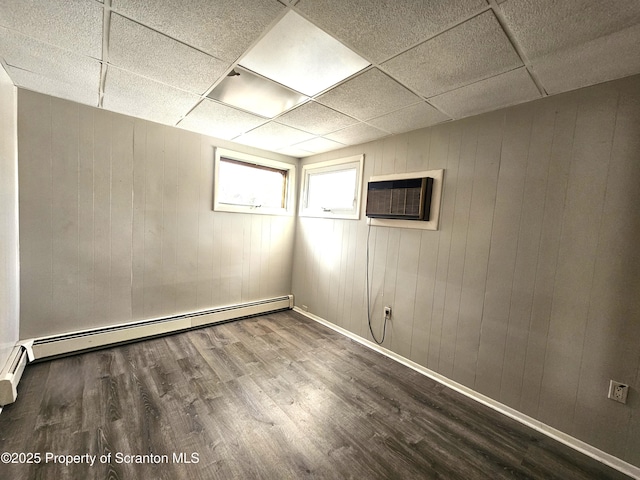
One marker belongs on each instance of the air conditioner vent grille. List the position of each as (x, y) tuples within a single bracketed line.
[(406, 199)]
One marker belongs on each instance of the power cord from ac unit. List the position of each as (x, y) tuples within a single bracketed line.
[(384, 326)]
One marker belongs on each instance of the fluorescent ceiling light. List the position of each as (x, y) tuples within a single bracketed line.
[(248, 91), (299, 55)]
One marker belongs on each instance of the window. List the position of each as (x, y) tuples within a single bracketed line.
[(250, 184), (332, 189)]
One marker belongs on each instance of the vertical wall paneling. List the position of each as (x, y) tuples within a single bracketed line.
[(437, 148), (302, 257), (217, 277), (378, 248), (617, 263), (455, 267), (346, 269), (448, 210), (256, 267), (577, 252), (503, 248), (402, 152), (387, 158), (102, 218), (187, 223), (333, 253), (236, 259), (403, 304), (153, 220), (357, 312), (86, 223), (223, 260), (169, 221), (418, 143), (481, 213), (389, 275), (9, 230), (433, 153), (423, 298), (118, 223), (553, 207), (315, 231), (267, 262), (35, 193), (139, 202), (121, 218), (538, 157), (206, 221), (64, 209), (528, 292)]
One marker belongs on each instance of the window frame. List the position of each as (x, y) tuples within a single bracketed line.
[(331, 166), (260, 163)]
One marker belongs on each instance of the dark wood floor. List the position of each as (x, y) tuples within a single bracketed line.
[(272, 397)]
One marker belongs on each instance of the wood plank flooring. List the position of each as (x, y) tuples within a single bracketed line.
[(270, 397)]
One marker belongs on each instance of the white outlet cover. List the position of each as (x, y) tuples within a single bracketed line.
[(618, 391)]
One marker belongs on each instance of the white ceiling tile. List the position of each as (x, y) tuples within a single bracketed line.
[(315, 118), (143, 51), (55, 88), (319, 145), (293, 151), (541, 27), (221, 121), (48, 69), (600, 60), (74, 26), (299, 55), (356, 134), (379, 29), (409, 118), (472, 51), (224, 28), (141, 97), (368, 95), (492, 93), (452, 52), (273, 136)]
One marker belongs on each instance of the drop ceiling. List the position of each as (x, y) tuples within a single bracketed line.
[(351, 71)]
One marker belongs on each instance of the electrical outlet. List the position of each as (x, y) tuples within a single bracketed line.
[(618, 391), (387, 312)]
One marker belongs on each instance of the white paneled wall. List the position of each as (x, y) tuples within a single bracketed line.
[(529, 292), (9, 271), (117, 223)]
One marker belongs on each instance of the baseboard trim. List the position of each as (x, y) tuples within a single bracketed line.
[(80, 340), (568, 440)]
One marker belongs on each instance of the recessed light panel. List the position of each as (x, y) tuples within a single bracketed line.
[(299, 55), (250, 92)]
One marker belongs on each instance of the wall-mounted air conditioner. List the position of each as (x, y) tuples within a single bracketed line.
[(406, 200)]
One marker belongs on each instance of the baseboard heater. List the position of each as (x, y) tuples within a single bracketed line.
[(64, 344), (11, 374)]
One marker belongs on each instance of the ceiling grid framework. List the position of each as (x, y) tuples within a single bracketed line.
[(385, 67)]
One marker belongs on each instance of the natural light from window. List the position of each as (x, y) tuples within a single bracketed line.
[(332, 189), (246, 183), (251, 185)]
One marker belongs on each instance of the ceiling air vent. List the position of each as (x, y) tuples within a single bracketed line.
[(406, 199)]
